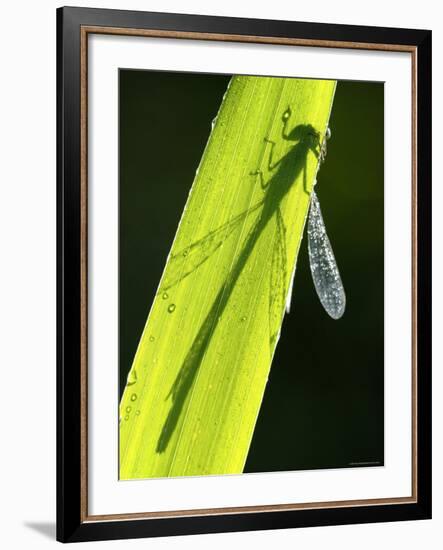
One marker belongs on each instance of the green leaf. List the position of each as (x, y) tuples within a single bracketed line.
[(200, 371)]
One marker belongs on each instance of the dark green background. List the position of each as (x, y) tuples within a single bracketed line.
[(323, 405)]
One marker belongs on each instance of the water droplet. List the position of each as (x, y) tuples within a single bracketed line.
[(243, 318), (165, 296), (132, 377), (137, 413), (171, 308), (151, 338), (127, 417), (133, 397), (128, 409)]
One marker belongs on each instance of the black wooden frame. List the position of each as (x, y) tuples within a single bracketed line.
[(70, 524)]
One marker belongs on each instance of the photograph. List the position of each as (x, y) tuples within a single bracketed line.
[(244, 244), (217, 275), (251, 274)]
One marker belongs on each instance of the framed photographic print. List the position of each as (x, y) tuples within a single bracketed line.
[(244, 271)]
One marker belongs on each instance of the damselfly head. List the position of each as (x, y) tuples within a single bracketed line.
[(323, 146)]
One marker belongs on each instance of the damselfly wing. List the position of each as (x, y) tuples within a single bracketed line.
[(187, 260), (325, 274)]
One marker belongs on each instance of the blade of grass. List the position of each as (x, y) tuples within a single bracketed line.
[(200, 371)]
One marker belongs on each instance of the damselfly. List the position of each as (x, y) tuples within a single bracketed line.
[(325, 273), (327, 281), (324, 270)]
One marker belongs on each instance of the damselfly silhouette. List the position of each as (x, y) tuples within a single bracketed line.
[(284, 172), (324, 270)]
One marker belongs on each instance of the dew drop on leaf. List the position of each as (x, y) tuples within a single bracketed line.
[(171, 308), (132, 377)]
